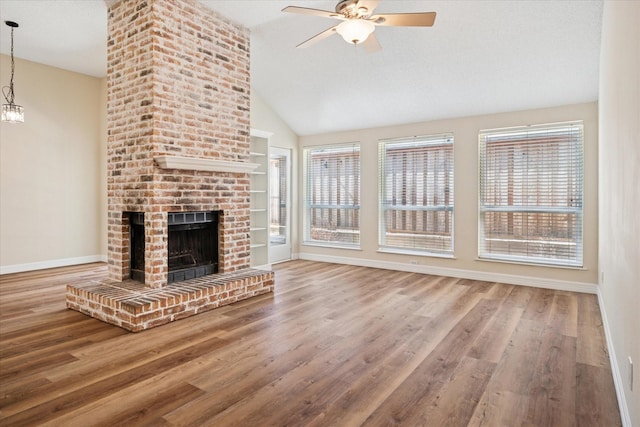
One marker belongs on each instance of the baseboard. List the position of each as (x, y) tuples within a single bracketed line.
[(19, 268), (615, 368), (537, 282)]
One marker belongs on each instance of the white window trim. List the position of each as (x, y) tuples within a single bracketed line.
[(579, 211), (306, 231), (426, 140)]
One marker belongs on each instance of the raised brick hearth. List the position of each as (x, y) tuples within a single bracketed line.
[(178, 102), (135, 307)]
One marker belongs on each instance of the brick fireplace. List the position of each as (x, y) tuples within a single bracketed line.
[(178, 86)]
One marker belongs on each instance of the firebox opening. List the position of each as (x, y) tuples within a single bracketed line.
[(136, 237), (192, 245)]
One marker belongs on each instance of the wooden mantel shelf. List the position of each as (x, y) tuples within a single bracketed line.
[(200, 164)]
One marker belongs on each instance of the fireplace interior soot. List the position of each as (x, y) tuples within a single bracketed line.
[(192, 241)]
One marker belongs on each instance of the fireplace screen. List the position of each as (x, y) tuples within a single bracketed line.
[(192, 245)]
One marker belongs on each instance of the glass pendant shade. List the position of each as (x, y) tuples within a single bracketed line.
[(355, 30), (12, 113)]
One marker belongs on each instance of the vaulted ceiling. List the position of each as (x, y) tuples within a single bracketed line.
[(480, 57)]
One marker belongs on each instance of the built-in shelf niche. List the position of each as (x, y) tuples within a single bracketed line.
[(260, 199)]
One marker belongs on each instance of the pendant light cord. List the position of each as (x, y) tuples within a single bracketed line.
[(7, 91)]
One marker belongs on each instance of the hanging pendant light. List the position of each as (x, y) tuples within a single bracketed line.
[(11, 113)]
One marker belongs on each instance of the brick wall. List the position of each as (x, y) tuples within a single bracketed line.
[(178, 84)]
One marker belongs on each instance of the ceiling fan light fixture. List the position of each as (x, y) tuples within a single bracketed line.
[(355, 30)]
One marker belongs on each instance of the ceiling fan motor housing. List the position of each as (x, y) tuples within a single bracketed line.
[(350, 10)]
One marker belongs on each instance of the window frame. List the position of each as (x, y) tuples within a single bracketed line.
[(416, 242), (309, 204), (575, 175)]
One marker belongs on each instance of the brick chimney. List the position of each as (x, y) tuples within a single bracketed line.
[(178, 129)]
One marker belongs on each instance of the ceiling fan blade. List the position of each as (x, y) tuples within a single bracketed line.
[(419, 19), (318, 37), (309, 11), (371, 44)]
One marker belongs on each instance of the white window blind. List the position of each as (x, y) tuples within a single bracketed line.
[(531, 183), (416, 194), (332, 195)]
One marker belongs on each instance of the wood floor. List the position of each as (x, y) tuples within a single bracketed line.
[(334, 346)]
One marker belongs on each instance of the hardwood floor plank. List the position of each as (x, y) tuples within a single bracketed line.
[(427, 379), (595, 396), (28, 320), (99, 360), (505, 400), (504, 408), (456, 401), (519, 297), (441, 297), (364, 394), (130, 410), (494, 339), (335, 345), (243, 382), (477, 285), (564, 314), (10, 370), (365, 343), (366, 351), (591, 342), (539, 307), (19, 390), (553, 388), (53, 335), (429, 286), (57, 405)]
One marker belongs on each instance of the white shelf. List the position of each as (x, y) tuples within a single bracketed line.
[(259, 198)]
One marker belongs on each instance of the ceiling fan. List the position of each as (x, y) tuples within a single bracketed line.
[(359, 22)]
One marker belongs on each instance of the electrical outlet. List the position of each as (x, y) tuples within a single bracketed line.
[(630, 374), (602, 277)]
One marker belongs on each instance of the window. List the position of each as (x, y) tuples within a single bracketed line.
[(416, 194), (332, 195), (278, 199), (531, 194)]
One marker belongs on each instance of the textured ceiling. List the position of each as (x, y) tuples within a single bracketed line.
[(480, 57)]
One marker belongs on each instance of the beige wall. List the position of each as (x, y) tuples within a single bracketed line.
[(102, 166), (620, 193), (265, 119), (51, 198), (465, 132)]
